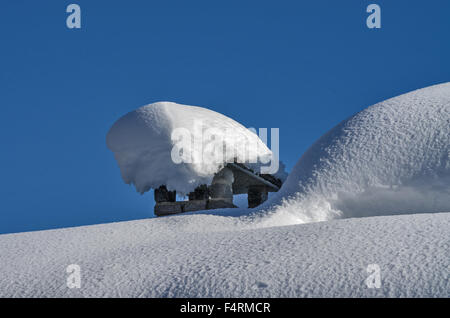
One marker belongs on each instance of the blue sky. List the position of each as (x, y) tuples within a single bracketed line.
[(301, 66)]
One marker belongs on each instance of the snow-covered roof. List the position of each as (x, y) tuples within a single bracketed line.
[(145, 141)]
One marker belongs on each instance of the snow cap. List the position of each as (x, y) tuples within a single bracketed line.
[(180, 146)]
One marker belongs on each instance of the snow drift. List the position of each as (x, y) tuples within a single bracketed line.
[(208, 256), (391, 158), (143, 142)]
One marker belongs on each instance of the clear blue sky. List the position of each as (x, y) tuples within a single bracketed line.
[(301, 66)]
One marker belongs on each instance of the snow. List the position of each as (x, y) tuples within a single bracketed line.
[(380, 180), (212, 256), (391, 158), (143, 140)]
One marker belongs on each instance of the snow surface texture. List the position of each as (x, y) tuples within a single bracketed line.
[(142, 143), (212, 256), (391, 158)]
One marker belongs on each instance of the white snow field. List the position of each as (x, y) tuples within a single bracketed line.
[(379, 181), (212, 256)]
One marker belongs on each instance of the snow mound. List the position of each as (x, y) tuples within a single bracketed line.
[(391, 158), (210, 256), (144, 141)]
